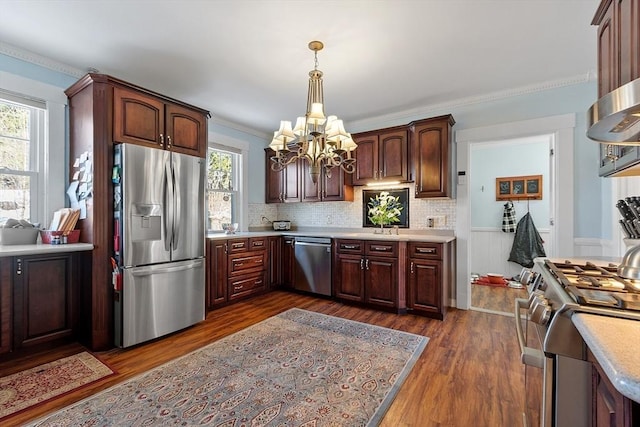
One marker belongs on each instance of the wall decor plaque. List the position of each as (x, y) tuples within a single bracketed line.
[(519, 187)]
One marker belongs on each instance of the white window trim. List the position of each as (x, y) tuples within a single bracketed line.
[(53, 164), (223, 142)]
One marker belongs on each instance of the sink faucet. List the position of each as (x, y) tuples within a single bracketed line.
[(396, 230)]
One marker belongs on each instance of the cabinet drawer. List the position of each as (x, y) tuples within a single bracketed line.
[(349, 246), (425, 250), (238, 245), (381, 248), (244, 263), (245, 285), (257, 243)]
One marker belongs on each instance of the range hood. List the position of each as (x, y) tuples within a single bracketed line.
[(615, 118)]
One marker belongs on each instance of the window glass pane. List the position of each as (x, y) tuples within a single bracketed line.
[(221, 197), (15, 196), (15, 130)]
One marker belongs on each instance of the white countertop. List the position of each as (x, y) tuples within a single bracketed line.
[(39, 248), (615, 343), (368, 235)]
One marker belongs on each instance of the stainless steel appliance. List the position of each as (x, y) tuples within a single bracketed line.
[(158, 243), (557, 375), (313, 265)]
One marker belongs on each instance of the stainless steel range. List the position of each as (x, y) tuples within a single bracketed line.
[(550, 345)]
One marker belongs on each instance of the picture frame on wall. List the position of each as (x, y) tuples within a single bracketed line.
[(527, 187), (402, 193)]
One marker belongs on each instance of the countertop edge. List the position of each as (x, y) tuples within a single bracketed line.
[(338, 235), (608, 338), (40, 248)]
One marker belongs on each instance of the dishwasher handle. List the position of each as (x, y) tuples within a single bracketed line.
[(318, 245)]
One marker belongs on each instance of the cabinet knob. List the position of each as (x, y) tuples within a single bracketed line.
[(19, 266), (361, 263), (162, 139), (168, 141), (411, 267), (366, 264)]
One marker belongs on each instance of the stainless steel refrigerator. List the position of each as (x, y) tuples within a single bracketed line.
[(158, 243)]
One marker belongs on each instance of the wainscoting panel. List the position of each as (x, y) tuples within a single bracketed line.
[(489, 249)]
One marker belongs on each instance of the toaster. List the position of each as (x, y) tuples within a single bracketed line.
[(282, 225)]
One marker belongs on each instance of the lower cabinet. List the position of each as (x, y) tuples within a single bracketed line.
[(6, 310), (216, 272), (367, 272), (275, 261), (428, 281), (45, 299), (288, 262), (609, 408)]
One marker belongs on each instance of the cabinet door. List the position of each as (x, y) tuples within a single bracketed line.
[(629, 40), (291, 182), (138, 118), (348, 277), (366, 158), (607, 53), (216, 272), (425, 287), (274, 180), (6, 310), (246, 285), (275, 261), (392, 156), (381, 281), (288, 262), (431, 140), (337, 187), (44, 299), (311, 191), (186, 131)]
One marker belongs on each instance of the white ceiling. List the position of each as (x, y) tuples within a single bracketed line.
[(247, 61)]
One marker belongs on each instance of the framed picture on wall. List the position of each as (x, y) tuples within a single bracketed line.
[(403, 198), (519, 187)]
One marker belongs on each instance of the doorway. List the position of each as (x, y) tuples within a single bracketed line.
[(489, 245), (561, 192)]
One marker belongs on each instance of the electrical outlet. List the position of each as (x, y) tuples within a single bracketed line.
[(430, 222)]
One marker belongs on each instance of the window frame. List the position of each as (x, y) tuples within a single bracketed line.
[(236, 189)]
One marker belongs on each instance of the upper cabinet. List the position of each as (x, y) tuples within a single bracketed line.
[(327, 188), (618, 24), (433, 157), (281, 186), (381, 155), (144, 119)]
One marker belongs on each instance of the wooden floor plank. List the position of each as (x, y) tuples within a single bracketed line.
[(469, 374)]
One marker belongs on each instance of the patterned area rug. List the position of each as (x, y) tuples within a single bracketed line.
[(27, 388), (298, 368)]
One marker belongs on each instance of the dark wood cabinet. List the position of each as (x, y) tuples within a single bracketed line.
[(433, 157), (618, 24), (91, 131), (45, 299), (145, 119), (275, 261), (327, 188), (429, 278), (6, 301), (216, 272), (381, 155), (609, 408), (367, 272), (288, 262), (247, 264), (282, 186)]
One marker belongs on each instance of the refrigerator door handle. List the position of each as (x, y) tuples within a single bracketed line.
[(147, 271), (177, 207), (168, 207)]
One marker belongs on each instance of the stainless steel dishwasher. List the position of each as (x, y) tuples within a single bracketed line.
[(313, 265)]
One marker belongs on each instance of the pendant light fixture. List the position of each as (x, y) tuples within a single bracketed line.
[(322, 141)]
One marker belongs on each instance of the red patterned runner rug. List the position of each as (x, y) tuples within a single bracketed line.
[(298, 368), (36, 385)]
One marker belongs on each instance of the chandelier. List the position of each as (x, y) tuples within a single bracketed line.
[(321, 141)]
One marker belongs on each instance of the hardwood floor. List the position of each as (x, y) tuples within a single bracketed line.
[(495, 298), (469, 374)]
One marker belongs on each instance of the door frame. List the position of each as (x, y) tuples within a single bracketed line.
[(561, 181)]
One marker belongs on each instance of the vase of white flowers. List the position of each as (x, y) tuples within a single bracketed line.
[(384, 209)]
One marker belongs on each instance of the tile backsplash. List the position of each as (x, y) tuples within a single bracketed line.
[(442, 212)]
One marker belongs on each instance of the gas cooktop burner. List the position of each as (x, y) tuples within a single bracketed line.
[(599, 285)]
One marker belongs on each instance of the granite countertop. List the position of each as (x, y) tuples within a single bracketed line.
[(615, 343), (39, 248), (337, 234)]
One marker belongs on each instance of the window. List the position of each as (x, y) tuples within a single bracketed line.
[(21, 139), (223, 169)]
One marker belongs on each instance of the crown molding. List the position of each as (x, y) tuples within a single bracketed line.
[(241, 128), (405, 116), (40, 60)]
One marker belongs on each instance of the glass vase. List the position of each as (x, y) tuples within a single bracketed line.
[(379, 230)]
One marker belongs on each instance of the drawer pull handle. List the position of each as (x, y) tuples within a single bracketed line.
[(237, 288), (258, 261), (238, 245), (258, 243), (238, 264), (258, 282), (426, 250), (350, 247), (380, 248)]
